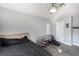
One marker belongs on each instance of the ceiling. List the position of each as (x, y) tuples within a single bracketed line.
[(36, 9), (70, 9)]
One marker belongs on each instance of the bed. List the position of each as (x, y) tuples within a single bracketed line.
[(20, 47)]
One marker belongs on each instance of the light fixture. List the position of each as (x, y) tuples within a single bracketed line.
[(55, 6), (53, 10)]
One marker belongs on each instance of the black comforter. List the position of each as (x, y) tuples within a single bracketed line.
[(23, 49)]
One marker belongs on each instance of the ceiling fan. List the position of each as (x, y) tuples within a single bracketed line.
[(55, 7)]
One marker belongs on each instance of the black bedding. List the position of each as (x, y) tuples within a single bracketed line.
[(25, 48)]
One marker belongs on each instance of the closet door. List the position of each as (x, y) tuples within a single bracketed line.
[(76, 37), (60, 31), (76, 30)]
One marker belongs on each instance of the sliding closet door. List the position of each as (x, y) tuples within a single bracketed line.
[(60, 31), (76, 30)]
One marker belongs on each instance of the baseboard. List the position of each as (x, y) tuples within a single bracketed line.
[(68, 44)]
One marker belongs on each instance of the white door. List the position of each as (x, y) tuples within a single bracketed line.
[(68, 30), (76, 30), (60, 31), (76, 37)]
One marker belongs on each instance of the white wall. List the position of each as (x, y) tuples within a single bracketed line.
[(13, 21), (37, 9), (63, 34), (68, 31)]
